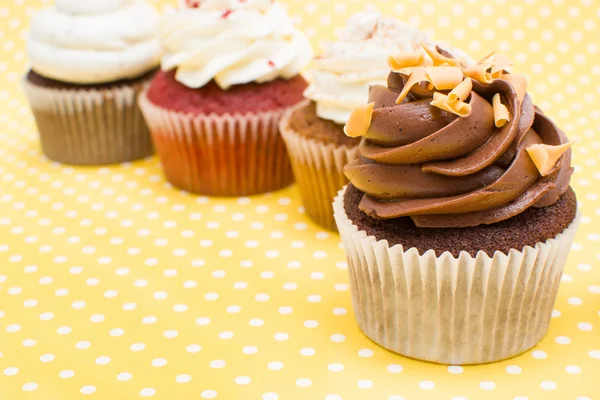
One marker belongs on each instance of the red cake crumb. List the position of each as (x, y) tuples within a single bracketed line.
[(252, 97)]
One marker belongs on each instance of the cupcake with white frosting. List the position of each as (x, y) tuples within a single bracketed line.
[(89, 61), (230, 69), (341, 79)]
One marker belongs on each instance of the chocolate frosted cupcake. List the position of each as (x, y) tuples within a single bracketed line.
[(89, 62), (459, 216), (230, 70), (313, 131)]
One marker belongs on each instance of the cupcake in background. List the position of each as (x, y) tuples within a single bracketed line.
[(89, 62), (459, 217), (230, 70), (340, 81)]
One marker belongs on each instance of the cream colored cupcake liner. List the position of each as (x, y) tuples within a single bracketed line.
[(318, 168), (90, 126), (465, 310), (220, 155)]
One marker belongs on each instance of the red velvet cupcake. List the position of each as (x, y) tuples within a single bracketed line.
[(228, 75)]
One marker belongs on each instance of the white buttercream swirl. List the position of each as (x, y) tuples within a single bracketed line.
[(94, 41), (342, 75), (233, 42)]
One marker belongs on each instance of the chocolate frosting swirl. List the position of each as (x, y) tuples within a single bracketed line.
[(442, 170)]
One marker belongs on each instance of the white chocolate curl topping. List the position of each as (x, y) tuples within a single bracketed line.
[(94, 41), (232, 42)]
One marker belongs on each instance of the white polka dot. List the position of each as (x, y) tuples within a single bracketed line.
[(365, 353), (335, 367), (250, 350), (595, 354), (262, 297), (208, 394), (281, 336), (337, 338), (28, 343), (180, 308), (340, 311), (30, 303), (150, 319), (159, 362), (364, 384), (303, 382), (29, 386), (585, 326), (256, 322), (147, 392), (124, 376), (314, 298), (427, 385), (103, 360), (64, 330), (562, 340), (548, 385), (275, 366), (211, 296), (202, 321), (487, 385), (226, 335), (46, 358), (394, 368), (308, 351), (573, 369), (88, 389), (10, 371), (539, 354), (575, 301), (333, 397), (513, 369), (193, 348), (311, 324), (455, 369), (183, 378), (170, 334), (137, 346), (66, 374), (270, 396), (97, 318), (242, 380), (217, 364), (82, 345)]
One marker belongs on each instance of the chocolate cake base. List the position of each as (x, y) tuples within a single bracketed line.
[(526, 229), (307, 123), (41, 81)]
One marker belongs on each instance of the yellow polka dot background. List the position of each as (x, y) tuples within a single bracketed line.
[(114, 285)]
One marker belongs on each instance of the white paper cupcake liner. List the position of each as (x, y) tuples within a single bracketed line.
[(90, 126), (220, 155), (318, 169), (465, 310)]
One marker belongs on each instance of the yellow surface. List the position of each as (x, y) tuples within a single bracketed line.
[(111, 282)]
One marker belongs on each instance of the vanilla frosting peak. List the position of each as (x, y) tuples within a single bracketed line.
[(94, 41), (232, 42), (343, 73)]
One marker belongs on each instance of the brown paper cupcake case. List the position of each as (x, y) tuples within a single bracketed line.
[(220, 155), (465, 310), (90, 126), (318, 168)]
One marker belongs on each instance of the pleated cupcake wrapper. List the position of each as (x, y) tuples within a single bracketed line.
[(465, 310), (220, 155), (318, 168), (90, 126)]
